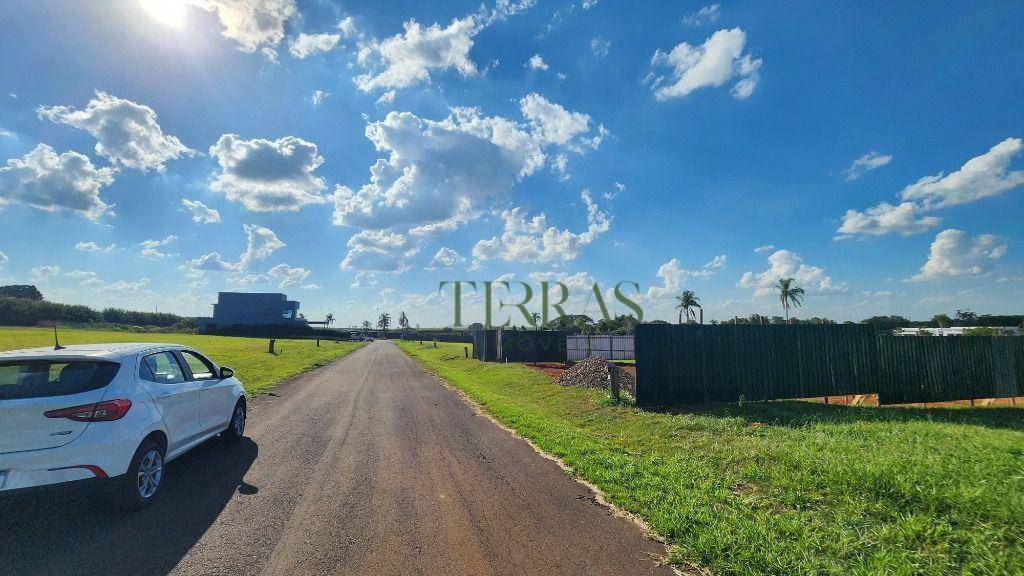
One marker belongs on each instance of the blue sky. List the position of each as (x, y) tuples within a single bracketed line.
[(354, 154)]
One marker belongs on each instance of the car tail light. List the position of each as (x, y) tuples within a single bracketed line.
[(99, 412)]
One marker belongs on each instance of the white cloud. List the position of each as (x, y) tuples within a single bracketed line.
[(706, 15), (261, 243), (126, 286), (716, 262), (126, 133), (47, 181), (764, 249), (536, 62), (534, 240), (7, 133), (866, 163), (409, 58), (318, 98), (886, 219), (718, 61), (552, 122), (440, 174), (406, 59), (580, 282), (347, 26), (379, 251), (786, 264), (674, 277), (287, 275), (149, 249), (588, 4), (3, 258), (201, 213), (91, 246), (249, 279), (42, 273), (386, 98), (446, 258), (954, 253), (305, 45), (311, 286), (503, 9), (212, 262), (364, 280), (79, 273), (600, 46), (268, 175), (270, 54), (85, 278), (980, 177), (251, 23)]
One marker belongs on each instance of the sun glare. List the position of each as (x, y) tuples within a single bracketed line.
[(167, 12)]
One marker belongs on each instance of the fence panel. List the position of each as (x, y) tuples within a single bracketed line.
[(485, 346), (607, 346), (699, 363), (532, 346), (939, 369)]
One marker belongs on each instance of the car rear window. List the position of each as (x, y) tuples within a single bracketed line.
[(40, 378)]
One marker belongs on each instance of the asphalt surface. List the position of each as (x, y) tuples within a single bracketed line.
[(365, 466)]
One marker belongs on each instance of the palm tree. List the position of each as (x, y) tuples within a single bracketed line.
[(536, 318), (789, 294), (367, 325), (403, 320), (329, 319), (384, 321), (687, 302)]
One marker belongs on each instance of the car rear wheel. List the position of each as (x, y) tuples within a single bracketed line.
[(236, 429), (141, 484)]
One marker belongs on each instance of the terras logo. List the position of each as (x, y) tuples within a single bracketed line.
[(547, 304)]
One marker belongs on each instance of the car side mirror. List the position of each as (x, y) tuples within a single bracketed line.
[(226, 372)]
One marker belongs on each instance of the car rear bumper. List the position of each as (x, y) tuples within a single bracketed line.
[(95, 455), (95, 485)]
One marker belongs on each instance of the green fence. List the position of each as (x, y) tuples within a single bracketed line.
[(501, 345), (934, 369), (693, 364)]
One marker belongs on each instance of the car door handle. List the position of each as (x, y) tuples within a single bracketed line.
[(163, 395)]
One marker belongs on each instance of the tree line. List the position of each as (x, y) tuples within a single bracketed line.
[(28, 308)]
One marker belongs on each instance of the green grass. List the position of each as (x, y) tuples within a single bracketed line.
[(782, 487), (255, 367)]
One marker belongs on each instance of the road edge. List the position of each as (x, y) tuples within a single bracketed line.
[(599, 496)]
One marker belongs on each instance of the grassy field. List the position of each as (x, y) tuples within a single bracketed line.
[(782, 487), (255, 367)]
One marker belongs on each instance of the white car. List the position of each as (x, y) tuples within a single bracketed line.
[(114, 412)]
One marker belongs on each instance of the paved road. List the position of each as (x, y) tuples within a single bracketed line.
[(366, 466)]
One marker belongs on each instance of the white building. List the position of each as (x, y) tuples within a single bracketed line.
[(955, 331)]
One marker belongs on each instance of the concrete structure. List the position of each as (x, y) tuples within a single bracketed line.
[(251, 309)]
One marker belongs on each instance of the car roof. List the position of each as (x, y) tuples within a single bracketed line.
[(109, 350)]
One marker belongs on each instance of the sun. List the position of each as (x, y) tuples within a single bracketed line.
[(167, 12)]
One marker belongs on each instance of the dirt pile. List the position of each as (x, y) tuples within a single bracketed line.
[(597, 373)]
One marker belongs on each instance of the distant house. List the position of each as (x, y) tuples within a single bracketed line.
[(251, 309)]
